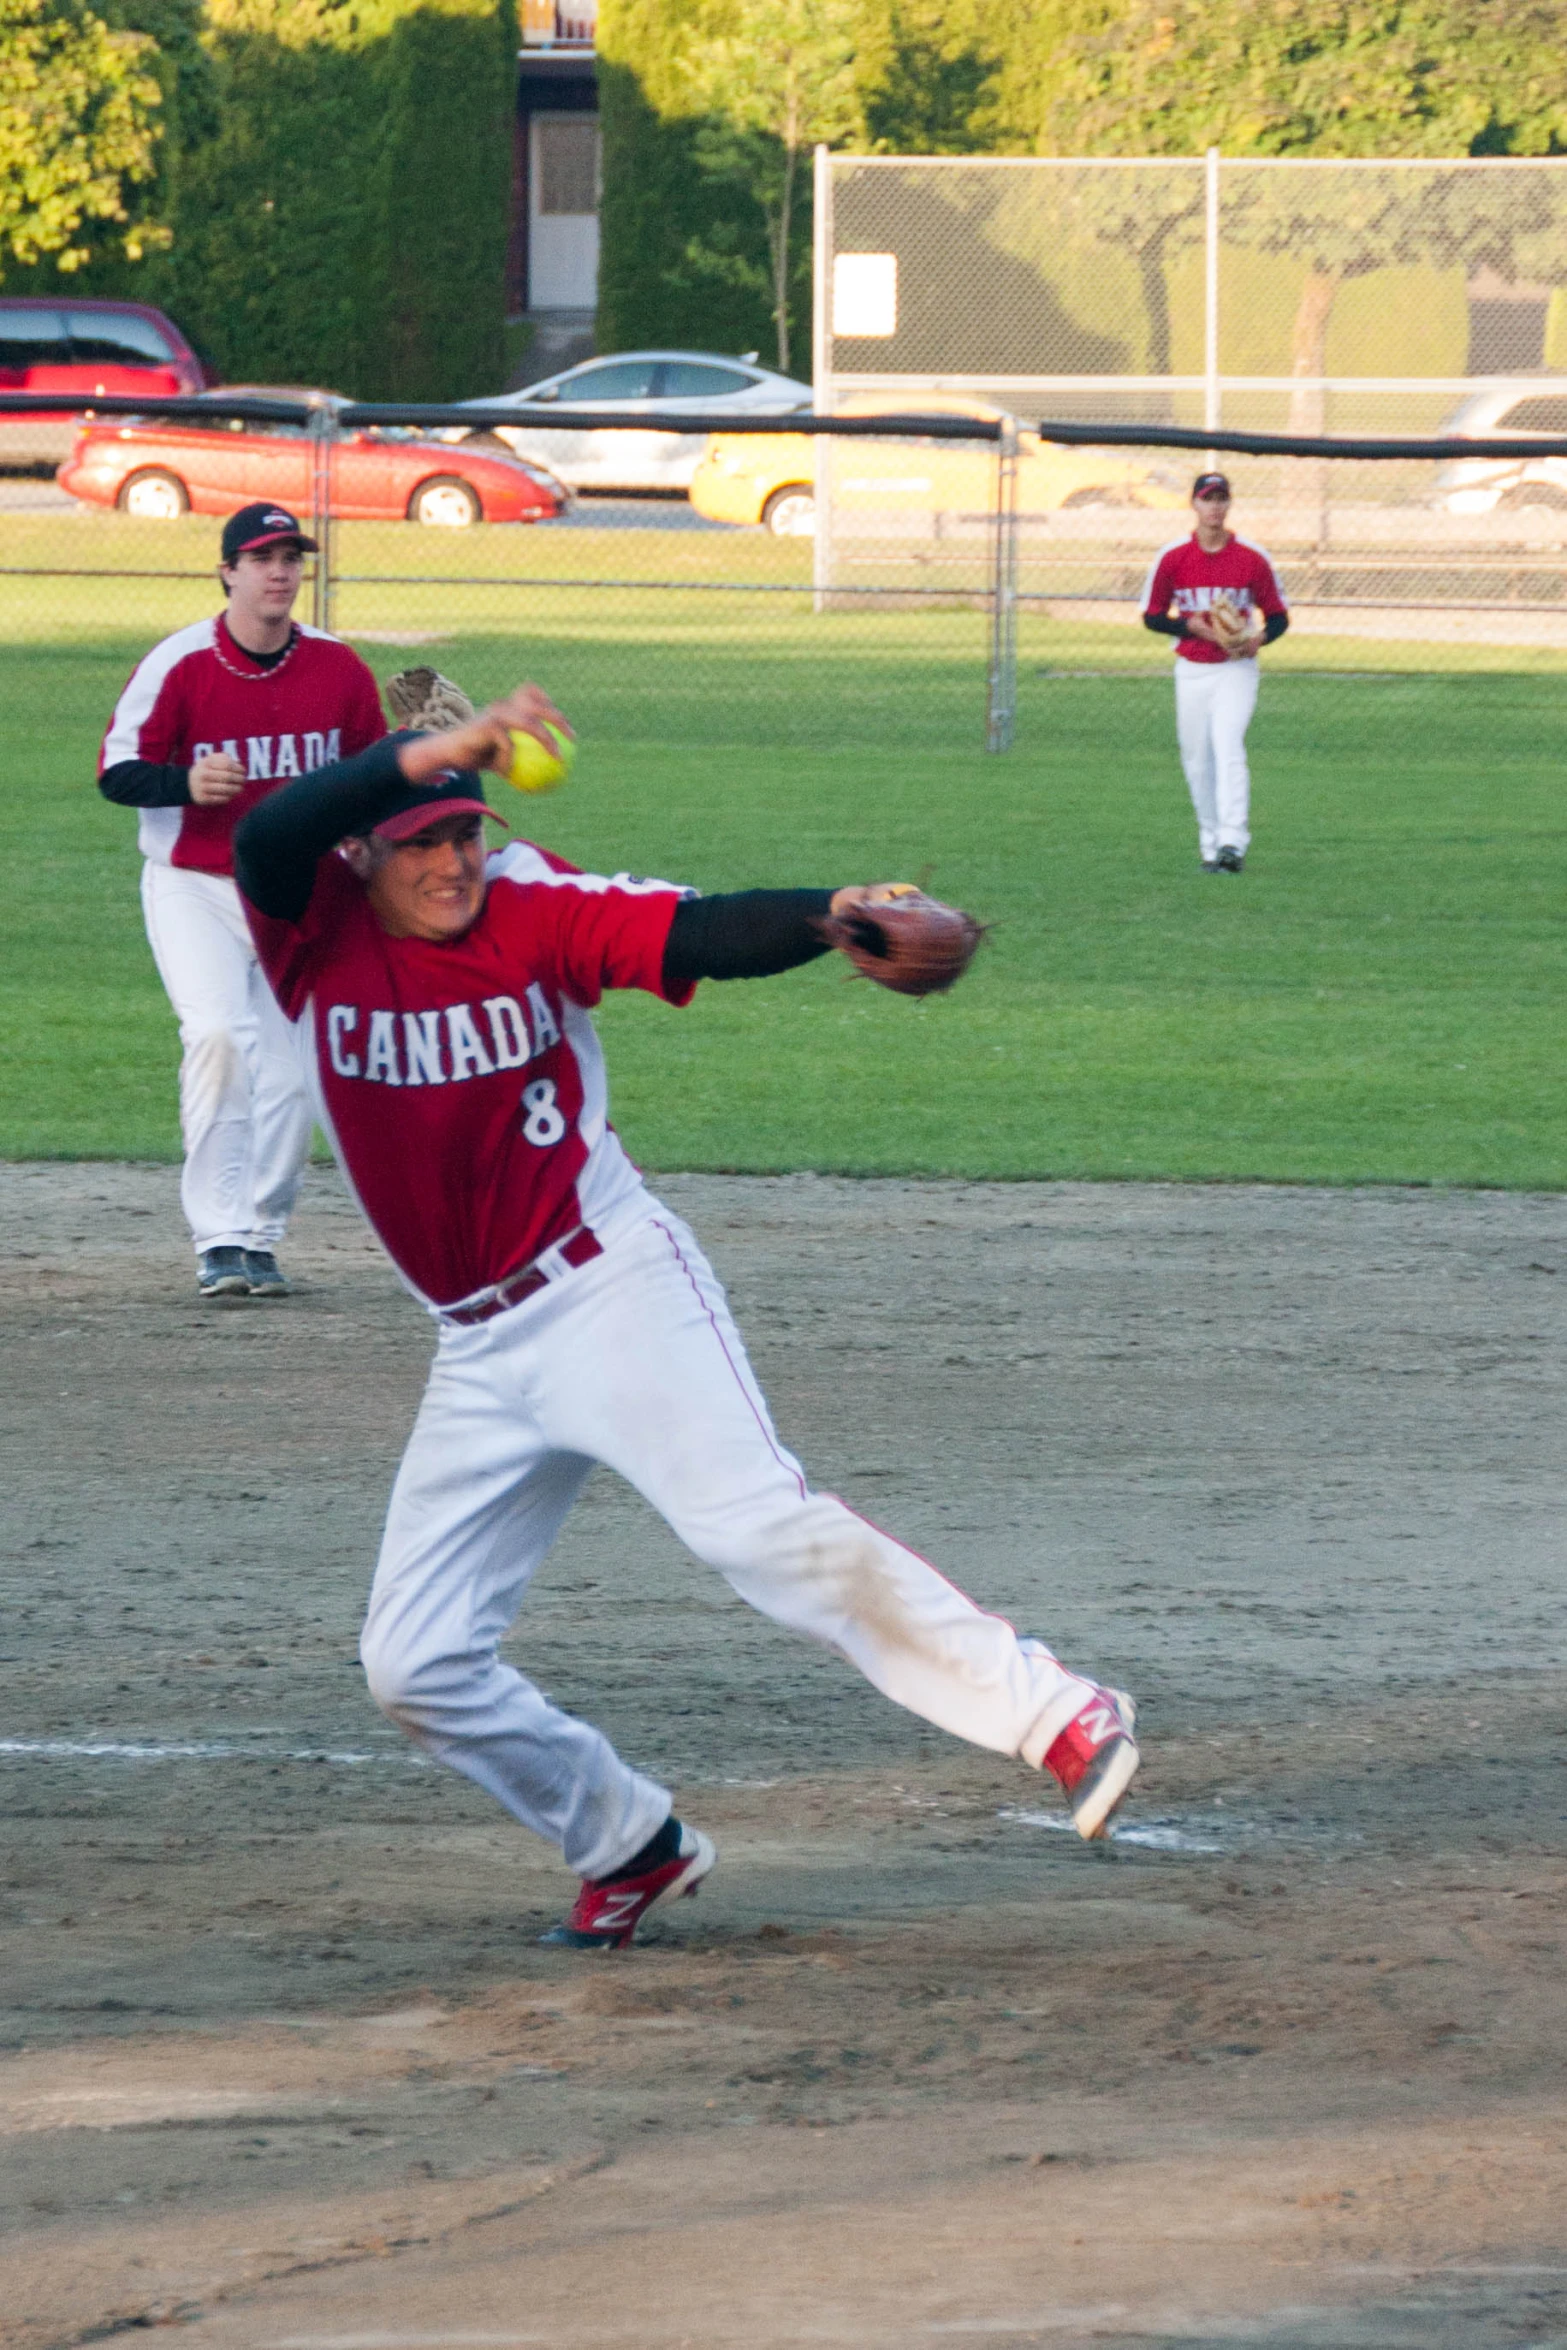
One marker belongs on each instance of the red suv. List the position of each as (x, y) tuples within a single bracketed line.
[(82, 348)]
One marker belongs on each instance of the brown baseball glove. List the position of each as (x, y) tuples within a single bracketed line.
[(426, 702), (906, 941)]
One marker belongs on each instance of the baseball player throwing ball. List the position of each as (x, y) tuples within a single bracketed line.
[(214, 718), (443, 998), (1217, 595)]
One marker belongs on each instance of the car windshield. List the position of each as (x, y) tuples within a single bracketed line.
[(690, 379), (33, 338), (619, 379), (116, 338)]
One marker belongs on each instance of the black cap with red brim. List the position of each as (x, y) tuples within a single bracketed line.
[(263, 526), (453, 793), (1211, 485)]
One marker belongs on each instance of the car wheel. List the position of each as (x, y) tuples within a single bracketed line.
[(791, 513), (1525, 494), (448, 503), (154, 496)]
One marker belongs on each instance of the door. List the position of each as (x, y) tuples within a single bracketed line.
[(563, 212), (672, 458), (596, 460), (274, 461)]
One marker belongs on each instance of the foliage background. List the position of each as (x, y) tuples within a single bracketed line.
[(333, 184), (684, 249), (327, 191)]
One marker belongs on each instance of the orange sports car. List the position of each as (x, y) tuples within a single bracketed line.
[(160, 467)]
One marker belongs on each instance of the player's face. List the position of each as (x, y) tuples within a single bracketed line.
[(430, 886), (1212, 508), (262, 584)]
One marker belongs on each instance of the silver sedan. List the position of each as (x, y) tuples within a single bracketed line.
[(635, 383)]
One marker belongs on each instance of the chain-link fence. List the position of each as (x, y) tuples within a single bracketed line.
[(1304, 298), (683, 610)]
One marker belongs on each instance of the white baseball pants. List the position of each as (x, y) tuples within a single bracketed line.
[(1214, 701), (244, 1110), (633, 1360)]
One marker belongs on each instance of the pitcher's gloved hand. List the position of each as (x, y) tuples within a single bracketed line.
[(893, 933)]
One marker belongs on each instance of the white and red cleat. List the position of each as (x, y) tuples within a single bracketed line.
[(1096, 1758), (608, 1910)]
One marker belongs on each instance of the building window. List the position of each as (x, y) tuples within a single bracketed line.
[(568, 164)]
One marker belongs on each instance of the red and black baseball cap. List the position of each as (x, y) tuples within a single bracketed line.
[(454, 792), (1212, 485), (263, 526)]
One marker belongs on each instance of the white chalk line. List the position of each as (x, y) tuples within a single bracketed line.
[(458, 2341), (192, 1750), (1150, 1835)]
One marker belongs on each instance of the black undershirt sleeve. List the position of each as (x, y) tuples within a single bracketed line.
[(145, 783), (749, 934), (1162, 625), (278, 846)]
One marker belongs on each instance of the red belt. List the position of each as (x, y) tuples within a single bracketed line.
[(580, 1249)]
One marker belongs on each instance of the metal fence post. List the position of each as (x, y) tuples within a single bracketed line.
[(821, 370), (1001, 691), (1211, 413), (323, 441)]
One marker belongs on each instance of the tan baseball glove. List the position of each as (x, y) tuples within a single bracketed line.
[(426, 702), (1231, 622), (905, 940)]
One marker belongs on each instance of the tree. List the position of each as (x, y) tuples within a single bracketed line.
[(78, 128), (1361, 78), (927, 73), (769, 79)]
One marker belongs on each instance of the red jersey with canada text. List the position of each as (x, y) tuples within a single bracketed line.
[(199, 691), (462, 1083), (1184, 576)]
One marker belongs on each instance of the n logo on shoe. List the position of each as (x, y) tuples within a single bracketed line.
[(1100, 1722), (615, 1909)]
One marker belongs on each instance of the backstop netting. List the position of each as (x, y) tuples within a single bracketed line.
[(1347, 299)]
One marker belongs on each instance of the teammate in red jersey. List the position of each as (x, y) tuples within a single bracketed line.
[(1215, 671), (215, 717), (443, 998)]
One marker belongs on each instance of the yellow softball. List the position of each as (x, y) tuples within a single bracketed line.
[(533, 768)]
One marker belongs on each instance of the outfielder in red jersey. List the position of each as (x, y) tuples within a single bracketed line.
[(1215, 665), (212, 719), (444, 1001)]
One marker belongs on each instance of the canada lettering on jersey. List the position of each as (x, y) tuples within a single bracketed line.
[(1190, 579), (199, 692), (442, 1047), (460, 1081), (269, 758), (1203, 599)]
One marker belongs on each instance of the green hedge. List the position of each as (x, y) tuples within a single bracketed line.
[(337, 181)]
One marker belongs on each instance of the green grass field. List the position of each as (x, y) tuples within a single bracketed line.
[(1376, 999)]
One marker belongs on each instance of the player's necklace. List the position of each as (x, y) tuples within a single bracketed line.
[(252, 676)]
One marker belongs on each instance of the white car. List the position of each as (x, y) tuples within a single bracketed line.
[(1505, 485), (636, 383)]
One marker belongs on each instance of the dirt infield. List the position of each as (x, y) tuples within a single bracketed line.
[(1284, 2065)]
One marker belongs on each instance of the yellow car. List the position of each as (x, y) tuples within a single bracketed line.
[(770, 477)]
